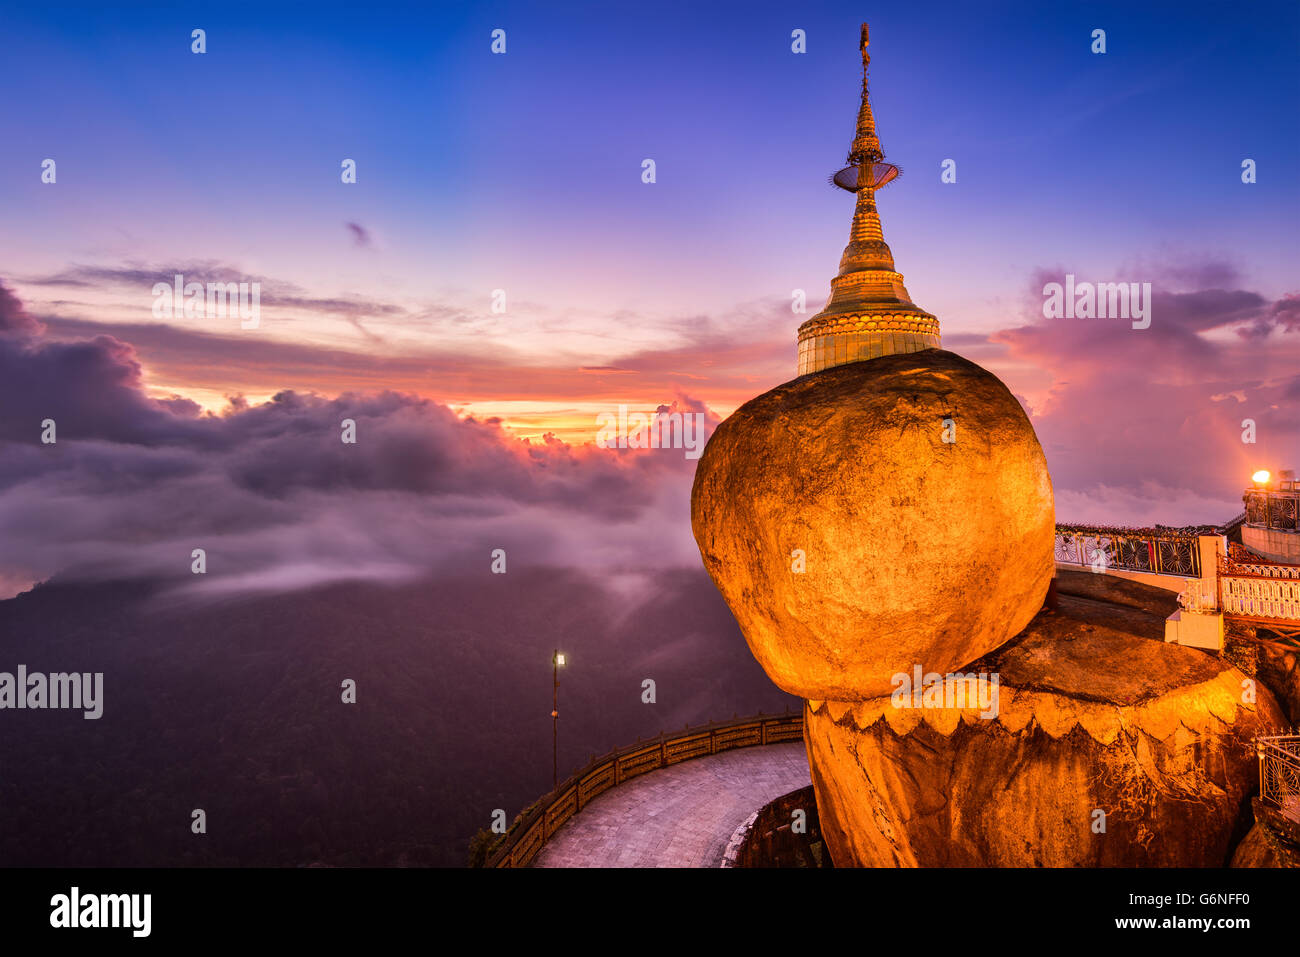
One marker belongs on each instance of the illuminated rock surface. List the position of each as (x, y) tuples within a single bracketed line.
[(917, 550), (1091, 716), (1262, 847)]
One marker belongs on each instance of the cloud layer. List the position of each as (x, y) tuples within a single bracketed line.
[(278, 500)]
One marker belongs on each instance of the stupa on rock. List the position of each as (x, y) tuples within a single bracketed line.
[(870, 313), (888, 513)]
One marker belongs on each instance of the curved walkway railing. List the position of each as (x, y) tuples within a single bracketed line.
[(540, 822)]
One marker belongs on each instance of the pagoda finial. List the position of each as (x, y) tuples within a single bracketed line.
[(869, 313), (866, 147)]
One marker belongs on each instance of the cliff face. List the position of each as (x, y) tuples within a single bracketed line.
[(1090, 719), (1263, 654), (1258, 849), (1273, 841)]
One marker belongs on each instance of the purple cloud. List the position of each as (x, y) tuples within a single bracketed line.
[(360, 235), (14, 320), (1133, 419)]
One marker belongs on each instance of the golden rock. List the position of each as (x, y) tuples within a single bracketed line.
[(919, 497)]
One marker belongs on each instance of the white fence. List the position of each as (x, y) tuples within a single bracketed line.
[(1274, 599), (1258, 589)]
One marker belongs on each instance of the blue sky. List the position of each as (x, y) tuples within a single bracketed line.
[(519, 168)]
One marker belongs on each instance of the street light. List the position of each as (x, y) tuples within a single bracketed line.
[(1261, 478), (557, 662)]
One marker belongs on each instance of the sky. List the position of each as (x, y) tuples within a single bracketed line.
[(521, 172)]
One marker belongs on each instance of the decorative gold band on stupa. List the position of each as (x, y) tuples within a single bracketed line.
[(869, 313)]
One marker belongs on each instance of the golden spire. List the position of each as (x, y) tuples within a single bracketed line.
[(869, 313), (866, 146)]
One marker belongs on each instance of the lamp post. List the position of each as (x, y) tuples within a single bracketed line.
[(557, 660)]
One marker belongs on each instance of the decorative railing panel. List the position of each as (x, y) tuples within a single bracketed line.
[(775, 733), (530, 842), (1268, 599), (740, 738), (686, 748), (1273, 509), (1067, 549), (527, 837), (562, 810), (1279, 773), (602, 779), (1282, 513), (639, 763), (1178, 557)]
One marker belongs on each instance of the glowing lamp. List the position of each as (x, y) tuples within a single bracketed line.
[(559, 659), (1261, 477)]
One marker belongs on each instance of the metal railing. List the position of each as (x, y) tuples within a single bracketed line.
[(544, 818), (1156, 551), (1279, 773), (1269, 508)]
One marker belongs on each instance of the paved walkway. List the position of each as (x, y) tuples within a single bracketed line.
[(679, 816)]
